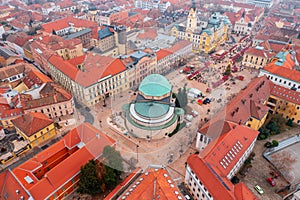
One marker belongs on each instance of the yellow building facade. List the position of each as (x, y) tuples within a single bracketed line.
[(288, 109), (72, 52), (35, 128), (39, 137), (205, 39), (255, 58), (255, 123)]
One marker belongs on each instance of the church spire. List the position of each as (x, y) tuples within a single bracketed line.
[(193, 4)]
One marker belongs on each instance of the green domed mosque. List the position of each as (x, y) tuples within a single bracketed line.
[(153, 115)]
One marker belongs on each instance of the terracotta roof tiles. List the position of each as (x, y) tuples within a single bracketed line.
[(104, 66), (65, 22), (283, 71), (153, 183), (81, 144), (9, 185), (216, 161), (238, 110), (31, 123), (34, 77), (162, 53), (11, 70), (286, 94)]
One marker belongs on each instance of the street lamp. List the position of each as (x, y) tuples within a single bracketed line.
[(137, 153), (181, 150)]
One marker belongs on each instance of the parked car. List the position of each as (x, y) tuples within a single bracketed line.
[(258, 189), (274, 174), (188, 125), (189, 117), (195, 113), (271, 181), (206, 101)]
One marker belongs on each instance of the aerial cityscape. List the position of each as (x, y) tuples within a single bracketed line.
[(150, 99)]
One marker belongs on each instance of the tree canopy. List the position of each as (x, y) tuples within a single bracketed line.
[(89, 181), (95, 177), (112, 159), (181, 98)]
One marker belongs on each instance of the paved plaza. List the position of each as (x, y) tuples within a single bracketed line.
[(168, 150)]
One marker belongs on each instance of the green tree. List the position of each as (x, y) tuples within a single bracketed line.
[(110, 178), (281, 121), (263, 133), (184, 97), (289, 123), (113, 159), (275, 143), (181, 98), (89, 182), (268, 144), (235, 180), (273, 127)]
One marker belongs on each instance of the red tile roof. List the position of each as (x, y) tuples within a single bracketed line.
[(31, 123), (104, 66), (19, 38), (241, 191), (260, 53), (83, 144), (179, 45), (208, 168), (65, 22), (65, 4), (238, 110), (50, 94), (77, 60), (9, 186), (149, 33), (286, 94), (151, 184), (124, 184), (4, 89), (283, 71), (34, 77), (215, 128), (11, 113), (216, 151), (162, 53), (11, 70), (209, 179)]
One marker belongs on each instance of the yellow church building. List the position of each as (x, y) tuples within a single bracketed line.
[(205, 36)]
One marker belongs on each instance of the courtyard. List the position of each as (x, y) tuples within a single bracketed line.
[(261, 168), (286, 158)]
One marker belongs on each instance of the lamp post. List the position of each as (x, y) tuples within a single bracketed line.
[(181, 150), (137, 153)]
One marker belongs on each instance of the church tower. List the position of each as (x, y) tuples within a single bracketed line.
[(191, 24)]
